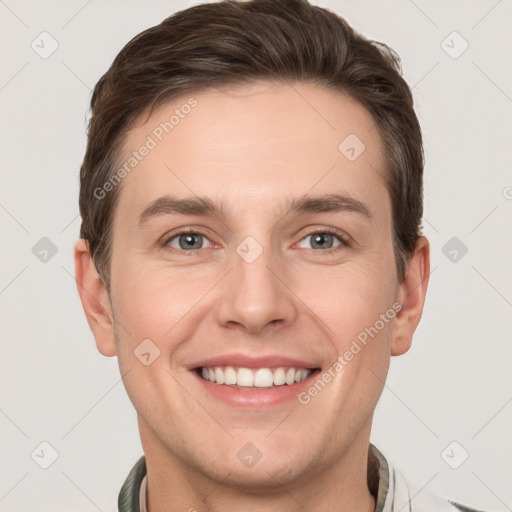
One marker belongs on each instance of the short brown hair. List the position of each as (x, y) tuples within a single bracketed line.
[(235, 42)]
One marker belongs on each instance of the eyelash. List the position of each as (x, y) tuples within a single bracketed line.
[(330, 231)]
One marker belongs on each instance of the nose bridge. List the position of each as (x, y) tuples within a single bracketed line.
[(254, 294)]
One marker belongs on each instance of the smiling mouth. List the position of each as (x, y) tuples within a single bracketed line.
[(255, 378)]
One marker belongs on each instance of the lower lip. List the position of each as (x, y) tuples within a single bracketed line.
[(264, 397)]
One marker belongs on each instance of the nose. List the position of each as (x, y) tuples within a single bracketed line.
[(256, 296)]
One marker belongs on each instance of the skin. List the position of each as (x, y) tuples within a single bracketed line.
[(253, 149)]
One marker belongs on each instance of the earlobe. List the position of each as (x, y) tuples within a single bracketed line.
[(95, 300), (411, 296)]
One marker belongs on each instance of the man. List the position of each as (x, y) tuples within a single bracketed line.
[(251, 251)]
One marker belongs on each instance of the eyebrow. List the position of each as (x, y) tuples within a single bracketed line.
[(204, 206)]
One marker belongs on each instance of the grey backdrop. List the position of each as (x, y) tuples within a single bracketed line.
[(447, 399)]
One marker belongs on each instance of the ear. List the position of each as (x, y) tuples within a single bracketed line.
[(411, 296), (95, 300)]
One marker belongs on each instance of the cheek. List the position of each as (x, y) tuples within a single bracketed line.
[(350, 298), (155, 302), (356, 305), (154, 310)]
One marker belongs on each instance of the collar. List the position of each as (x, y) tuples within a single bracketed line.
[(391, 491), (133, 491)]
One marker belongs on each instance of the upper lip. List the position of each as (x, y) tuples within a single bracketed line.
[(245, 361)]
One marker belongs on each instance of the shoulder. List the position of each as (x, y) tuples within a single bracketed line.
[(395, 492)]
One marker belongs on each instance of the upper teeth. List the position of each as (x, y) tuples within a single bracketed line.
[(258, 377)]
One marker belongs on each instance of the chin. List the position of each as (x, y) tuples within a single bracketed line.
[(259, 465), (265, 476)]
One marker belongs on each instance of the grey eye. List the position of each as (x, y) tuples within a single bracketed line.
[(187, 241), (321, 240)]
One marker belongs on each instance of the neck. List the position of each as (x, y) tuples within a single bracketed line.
[(174, 485)]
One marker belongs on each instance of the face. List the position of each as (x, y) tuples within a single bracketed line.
[(252, 247)]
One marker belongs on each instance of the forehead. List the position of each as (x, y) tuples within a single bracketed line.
[(250, 143)]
